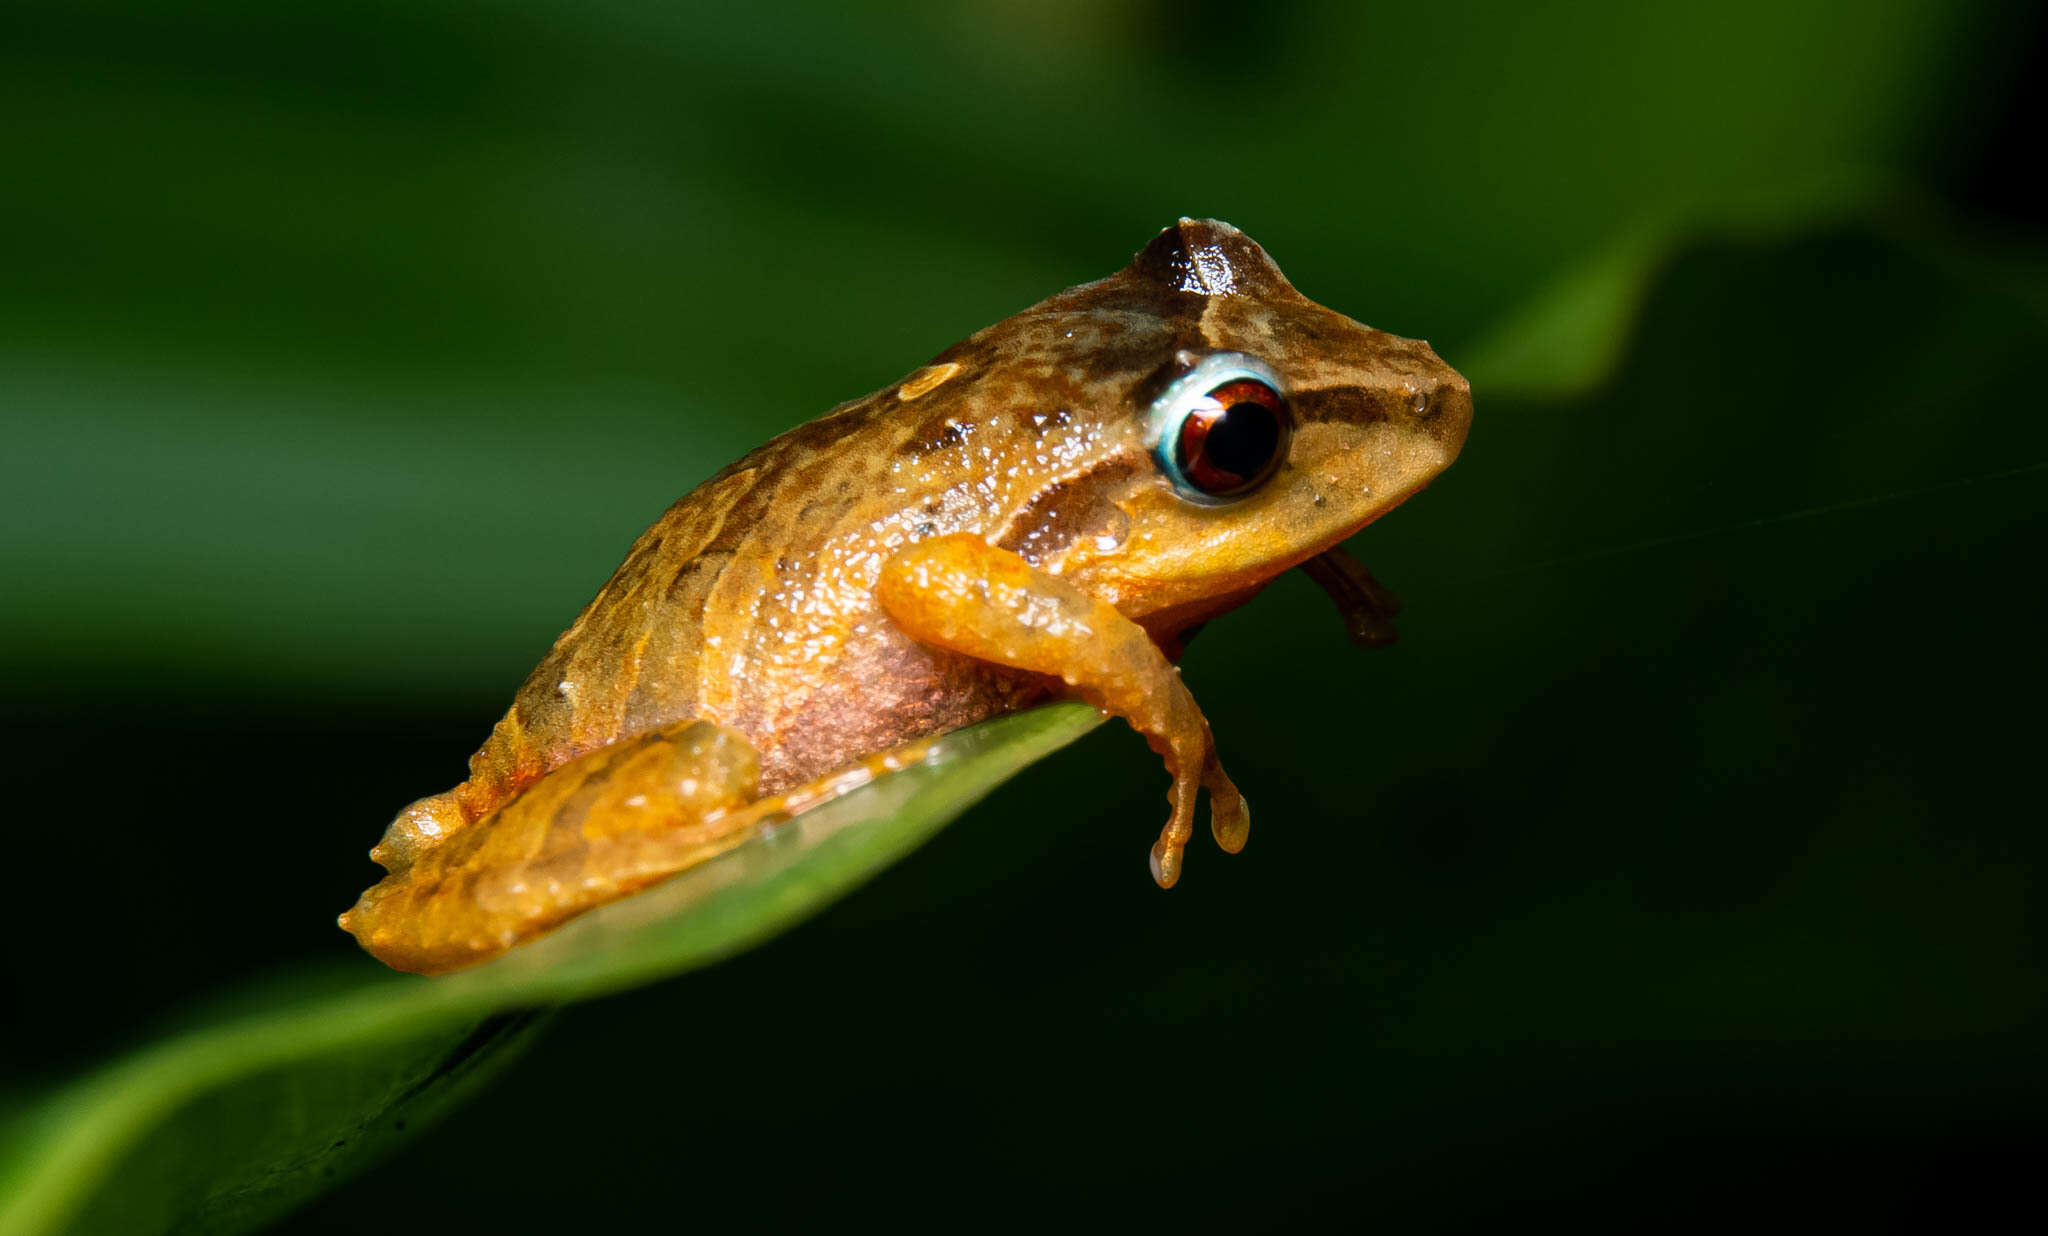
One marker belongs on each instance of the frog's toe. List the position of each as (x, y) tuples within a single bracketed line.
[(1165, 862), (1230, 822)]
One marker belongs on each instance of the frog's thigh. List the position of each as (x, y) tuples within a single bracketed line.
[(602, 825), (960, 593)]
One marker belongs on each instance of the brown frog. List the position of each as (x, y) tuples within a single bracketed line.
[(1044, 510)]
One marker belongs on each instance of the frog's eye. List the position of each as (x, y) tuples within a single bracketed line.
[(1221, 428)]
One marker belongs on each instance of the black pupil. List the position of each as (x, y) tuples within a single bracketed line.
[(1243, 439)]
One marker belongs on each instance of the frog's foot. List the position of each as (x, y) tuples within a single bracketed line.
[(1230, 820), (1365, 604), (959, 593), (419, 828), (1230, 816)]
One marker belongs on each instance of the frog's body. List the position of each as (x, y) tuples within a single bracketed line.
[(991, 531)]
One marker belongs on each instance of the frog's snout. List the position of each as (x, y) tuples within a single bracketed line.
[(1446, 412)]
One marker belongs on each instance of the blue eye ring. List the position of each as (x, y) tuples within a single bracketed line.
[(1252, 426)]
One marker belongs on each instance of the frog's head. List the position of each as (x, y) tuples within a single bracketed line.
[(1244, 427)]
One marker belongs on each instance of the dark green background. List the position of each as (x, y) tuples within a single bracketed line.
[(1678, 864)]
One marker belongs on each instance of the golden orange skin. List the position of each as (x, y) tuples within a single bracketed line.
[(987, 533)]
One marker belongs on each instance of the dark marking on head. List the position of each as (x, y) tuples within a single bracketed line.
[(1346, 404), (1208, 257)]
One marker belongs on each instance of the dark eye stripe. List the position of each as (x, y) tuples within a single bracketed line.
[(1347, 405)]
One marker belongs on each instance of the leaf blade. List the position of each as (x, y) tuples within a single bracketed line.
[(391, 1037)]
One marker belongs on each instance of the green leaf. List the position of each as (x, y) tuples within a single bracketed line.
[(227, 1126)]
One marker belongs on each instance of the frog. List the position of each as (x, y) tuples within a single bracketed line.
[(1048, 509)]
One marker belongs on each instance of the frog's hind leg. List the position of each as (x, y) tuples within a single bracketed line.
[(603, 825), (600, 826)]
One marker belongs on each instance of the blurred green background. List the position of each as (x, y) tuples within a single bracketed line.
[(1677, 866)]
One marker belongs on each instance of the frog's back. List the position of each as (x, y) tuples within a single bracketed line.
[(632, 653), (654, 646)]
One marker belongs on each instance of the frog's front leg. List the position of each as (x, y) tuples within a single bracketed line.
[(1366, 605), (959, 593)]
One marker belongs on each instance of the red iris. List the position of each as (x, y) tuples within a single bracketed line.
[(1234, 441)]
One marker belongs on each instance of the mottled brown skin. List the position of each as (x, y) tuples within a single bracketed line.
[(988, 533)]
